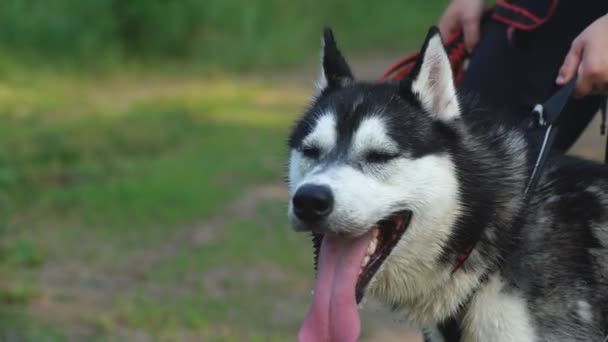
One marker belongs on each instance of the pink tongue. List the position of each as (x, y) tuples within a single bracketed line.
[(334, 315)]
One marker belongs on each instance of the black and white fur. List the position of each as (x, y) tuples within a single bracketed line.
[(536, 273)]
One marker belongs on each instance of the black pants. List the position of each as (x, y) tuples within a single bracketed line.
[(520, 72)]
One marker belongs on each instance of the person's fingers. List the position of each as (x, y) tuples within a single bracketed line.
[(571, 63), (593, 66), (448, 24), (470, 28), (583, 86), (591, 75)]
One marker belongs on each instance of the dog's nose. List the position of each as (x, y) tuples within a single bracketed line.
[(312, 203)]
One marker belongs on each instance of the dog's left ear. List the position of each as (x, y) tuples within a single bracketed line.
[(431, 80), (335, 72)]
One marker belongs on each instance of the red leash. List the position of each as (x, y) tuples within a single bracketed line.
[(457, 54), (512, 15)]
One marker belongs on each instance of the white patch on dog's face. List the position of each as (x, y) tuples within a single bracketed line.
[(323, 136), (372, 136)]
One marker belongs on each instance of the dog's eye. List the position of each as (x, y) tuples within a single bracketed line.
[(310, 152), (380, 156)]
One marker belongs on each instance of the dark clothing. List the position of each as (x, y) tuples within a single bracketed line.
[(518, 70)]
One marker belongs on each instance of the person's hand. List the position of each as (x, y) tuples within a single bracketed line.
[(465, 15), (589, 56)]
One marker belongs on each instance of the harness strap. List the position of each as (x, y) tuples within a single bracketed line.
[(522, 18)]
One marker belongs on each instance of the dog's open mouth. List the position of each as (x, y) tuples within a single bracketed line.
[(345, 266), (385, 236)]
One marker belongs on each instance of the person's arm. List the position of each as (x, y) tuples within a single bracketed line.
[(589, 56), (465, 15)]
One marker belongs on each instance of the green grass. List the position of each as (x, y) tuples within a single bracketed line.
[(270, 33), (218, 288), (208, 35), (156, 153), (17, 325), (95, 173)]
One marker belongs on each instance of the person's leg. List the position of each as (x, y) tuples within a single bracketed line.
[(520, 72), (493, 72)]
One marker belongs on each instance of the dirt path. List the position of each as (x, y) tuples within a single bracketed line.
[(74, 294)]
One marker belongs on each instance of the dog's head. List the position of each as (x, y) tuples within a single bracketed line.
[(371, 175)]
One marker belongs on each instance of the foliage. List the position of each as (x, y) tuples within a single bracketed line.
[(212, 33)]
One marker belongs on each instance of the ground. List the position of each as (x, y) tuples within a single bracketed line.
[(142, 207)]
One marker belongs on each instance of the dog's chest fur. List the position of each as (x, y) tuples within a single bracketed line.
[(496, 314), (552, 284)]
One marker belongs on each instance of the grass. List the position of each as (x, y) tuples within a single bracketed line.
[(219, 289), (99, 176), (209, 35), (164, 149), (16, 325), (269, 33)]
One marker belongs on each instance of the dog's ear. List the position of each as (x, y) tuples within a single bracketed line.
[(431, 81), (335, 72)]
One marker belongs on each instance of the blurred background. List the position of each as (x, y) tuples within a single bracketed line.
[(142, 155)]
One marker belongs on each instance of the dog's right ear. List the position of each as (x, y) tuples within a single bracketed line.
[(335, 72)]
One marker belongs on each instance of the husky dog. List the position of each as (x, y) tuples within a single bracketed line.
[(416, 202)]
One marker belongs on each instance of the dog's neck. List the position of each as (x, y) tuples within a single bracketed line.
[(493, 170), (492, 167)]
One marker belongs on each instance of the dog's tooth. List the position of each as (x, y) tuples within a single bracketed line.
[(372, 246), (365, 260), (375, 232)]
